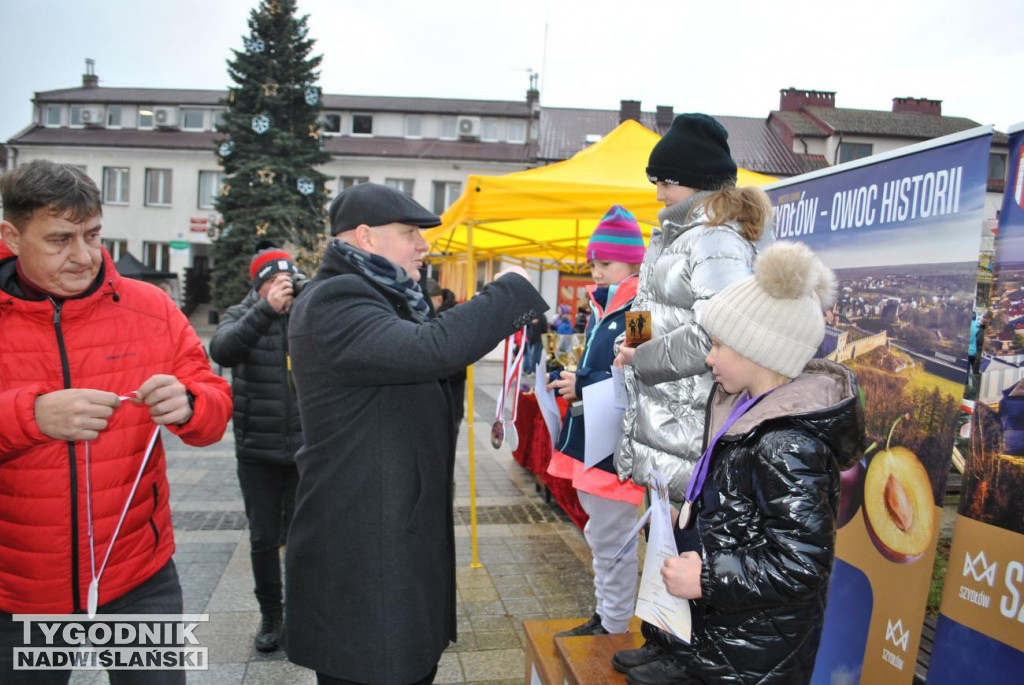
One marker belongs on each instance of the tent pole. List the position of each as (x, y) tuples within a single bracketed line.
[(470, 392)]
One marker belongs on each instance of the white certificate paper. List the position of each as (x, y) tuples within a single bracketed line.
[(602, 422), (619, 379), (546, 402), (654, 603)]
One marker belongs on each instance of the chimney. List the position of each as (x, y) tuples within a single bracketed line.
[(629, 109), (89, 78), (919, 105), (533, 100), (663, 118), (793, 100)]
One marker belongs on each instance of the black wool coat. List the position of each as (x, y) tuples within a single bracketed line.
[(370, 562), (252, 340), (767, 525)]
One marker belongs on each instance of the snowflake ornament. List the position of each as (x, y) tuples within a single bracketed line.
[(255, 45), (261, 123), (226, 148), (305, 186), (302, 32), (312, 95)]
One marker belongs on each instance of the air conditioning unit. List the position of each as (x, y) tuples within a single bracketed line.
[(165, 117), (92, 116), (469, 127)]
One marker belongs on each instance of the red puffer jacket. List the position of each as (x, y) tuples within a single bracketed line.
[(112, 339)]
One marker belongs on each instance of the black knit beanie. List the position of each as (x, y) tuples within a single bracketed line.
[(694, 153)]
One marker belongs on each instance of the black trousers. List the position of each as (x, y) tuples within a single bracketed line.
[(269, 494), (161, 594)]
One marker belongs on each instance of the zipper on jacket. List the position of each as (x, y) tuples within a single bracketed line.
[(72, 461)]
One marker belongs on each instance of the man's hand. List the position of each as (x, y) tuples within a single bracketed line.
[(682, 575), (512, 269), (625, 356), (281, 295), (167, 400), (564, 386), (77, 414)]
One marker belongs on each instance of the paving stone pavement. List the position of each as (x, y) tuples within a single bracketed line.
[(535, 562)]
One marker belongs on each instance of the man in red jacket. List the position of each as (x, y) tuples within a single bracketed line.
[(85, 522)]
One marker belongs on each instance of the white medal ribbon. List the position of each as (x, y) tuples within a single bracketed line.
[(94, 586), (511, 378)]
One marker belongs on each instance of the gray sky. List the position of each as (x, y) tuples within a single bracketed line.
[(725, 57)]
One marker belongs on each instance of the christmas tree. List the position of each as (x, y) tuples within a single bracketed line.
[(270, 151)]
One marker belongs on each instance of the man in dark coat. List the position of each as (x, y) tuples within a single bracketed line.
[(252, 339), (370, 563)]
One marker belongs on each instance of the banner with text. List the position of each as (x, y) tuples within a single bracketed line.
[(902, 231), (980, 632)]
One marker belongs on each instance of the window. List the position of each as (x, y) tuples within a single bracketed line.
[(996, 167), (52, 115), (76, 115), (349, 181), (362, 124), (403, 184), (517, 131), (445, 193), (116, 248), (489, 130), (448, 128), (115, 185), (145, 118), (113, 117), (158, 187), (413, 126), (851, 151), (156, 255), (192, 119), (209, 186), (331, 123)]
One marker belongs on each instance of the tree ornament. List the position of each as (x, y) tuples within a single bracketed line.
[(305, 186), (266, 176), (314, 131), (269, 89), (226, 148), (261, 229), (225, 188), (302, 32), (312, 95), (255, 45), (261, 123)]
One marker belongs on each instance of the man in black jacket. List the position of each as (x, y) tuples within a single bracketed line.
[(371, 552), (252, 339)]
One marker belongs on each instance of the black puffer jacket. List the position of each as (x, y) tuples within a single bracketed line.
[(252, 339), (767, 522)]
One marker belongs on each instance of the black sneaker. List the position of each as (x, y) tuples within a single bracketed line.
[(591, 627), (625, 659)]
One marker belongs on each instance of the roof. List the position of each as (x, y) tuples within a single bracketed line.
[(377, 103), (799, 124), (339, 145), (125, 137), (869, 122), (428, 148), (753, 142)]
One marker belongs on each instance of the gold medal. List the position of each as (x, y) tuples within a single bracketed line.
[(497, 434)]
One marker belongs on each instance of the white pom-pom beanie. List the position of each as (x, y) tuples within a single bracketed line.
[(774, 318)]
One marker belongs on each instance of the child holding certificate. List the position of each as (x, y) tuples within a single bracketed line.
[(764, 495), (614, 253)]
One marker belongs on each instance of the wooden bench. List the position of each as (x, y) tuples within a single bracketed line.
[(545, 665), (924, 651)]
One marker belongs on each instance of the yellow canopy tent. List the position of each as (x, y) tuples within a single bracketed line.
[(549, 212), (543, 218)]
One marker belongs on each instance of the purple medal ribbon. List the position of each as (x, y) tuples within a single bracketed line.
[(700, 471)]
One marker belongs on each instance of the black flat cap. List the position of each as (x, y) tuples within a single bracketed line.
[(376, 205)]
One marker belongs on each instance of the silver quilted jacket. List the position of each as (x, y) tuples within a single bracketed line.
[(668, 384)]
